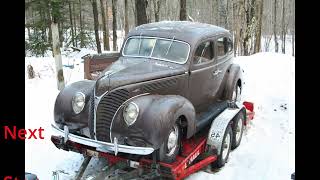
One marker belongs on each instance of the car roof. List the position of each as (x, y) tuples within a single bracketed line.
[(190, 32)]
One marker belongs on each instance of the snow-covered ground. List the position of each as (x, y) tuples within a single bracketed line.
[(267, 150)]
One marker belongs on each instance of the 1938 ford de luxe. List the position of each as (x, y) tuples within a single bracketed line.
[(170, 80)]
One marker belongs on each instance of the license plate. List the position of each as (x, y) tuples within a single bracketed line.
[(134, 164), (92, 153)]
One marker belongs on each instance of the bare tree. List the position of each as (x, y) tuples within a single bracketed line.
[(75, 23), (183, 10), (141, 12), (126, 23), (283, 29), (275, 25), (104, 28), (156, 5), (56, 45), (96, 24), (257, 44), (114, 25), (107, 25), (71, 23), (81, 25), (293, 27)]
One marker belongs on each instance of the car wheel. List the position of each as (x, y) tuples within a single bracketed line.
[(236, 94), (237, 130), (170, 148), (225, 148)]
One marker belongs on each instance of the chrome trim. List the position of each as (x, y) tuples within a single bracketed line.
[(103, 146), (121, 107), (95, 109), (212, 66), (150, 37)]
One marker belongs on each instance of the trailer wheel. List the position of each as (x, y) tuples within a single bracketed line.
[(237, 130), (225, 148), (170, 148)]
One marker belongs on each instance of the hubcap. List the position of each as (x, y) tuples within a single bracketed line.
[(239, 130), (226, 146), (172, 140)]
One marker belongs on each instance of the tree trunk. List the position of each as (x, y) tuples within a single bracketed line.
[(81, 25), (107, 26), (283, 29), (49, 21), (114, 25), (60, 29), (275, 25), (126, 23), (75, 25), (134, 12), (257, 44), (96, 24), (293, 28), (183, 10), (57, 56), (141, 12), (293, 43), (104, 28), (71, 24), (156, 6)]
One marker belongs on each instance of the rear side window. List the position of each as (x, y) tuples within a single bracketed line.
[(220, 47), (224, 46), (204, 53)]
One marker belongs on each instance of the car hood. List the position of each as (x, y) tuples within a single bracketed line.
[(128, 70)]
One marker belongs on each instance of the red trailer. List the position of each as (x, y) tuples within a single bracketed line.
[(197, 152)]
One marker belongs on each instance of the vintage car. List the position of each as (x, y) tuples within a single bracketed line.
[(170, 80)]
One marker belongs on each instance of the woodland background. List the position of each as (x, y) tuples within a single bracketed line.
[(97, 24)]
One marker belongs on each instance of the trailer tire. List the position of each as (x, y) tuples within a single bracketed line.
[(237, 130), (224, 155), (164, 154)]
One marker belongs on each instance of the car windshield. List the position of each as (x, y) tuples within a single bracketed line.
[(157, 48)]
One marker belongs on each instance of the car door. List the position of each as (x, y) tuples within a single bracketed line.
[(224, 55), (201, 84)]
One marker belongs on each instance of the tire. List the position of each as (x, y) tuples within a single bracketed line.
[(235, 95), (164, 153), (237, 130), (223, 156)]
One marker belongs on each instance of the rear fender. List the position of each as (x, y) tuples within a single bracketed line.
[(219, 126), (234, 73)]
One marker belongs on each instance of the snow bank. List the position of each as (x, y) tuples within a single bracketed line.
[(267, 148)]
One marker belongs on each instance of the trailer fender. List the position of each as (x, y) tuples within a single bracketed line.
[(219, 126)]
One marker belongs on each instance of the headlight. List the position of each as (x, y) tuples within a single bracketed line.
[(130, 113), (78, 102)]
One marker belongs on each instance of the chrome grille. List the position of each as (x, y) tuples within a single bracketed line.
[(106, 109)]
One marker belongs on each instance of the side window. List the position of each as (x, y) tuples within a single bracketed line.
[(224, 46), (221, 47), (230, 44), (204, 53)]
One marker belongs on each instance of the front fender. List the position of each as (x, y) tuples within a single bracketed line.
[(63, 112), (157, 114)]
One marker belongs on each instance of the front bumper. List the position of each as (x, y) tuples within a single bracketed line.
[(99, 145)]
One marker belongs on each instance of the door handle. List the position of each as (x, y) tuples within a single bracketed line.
[(216, 72)]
